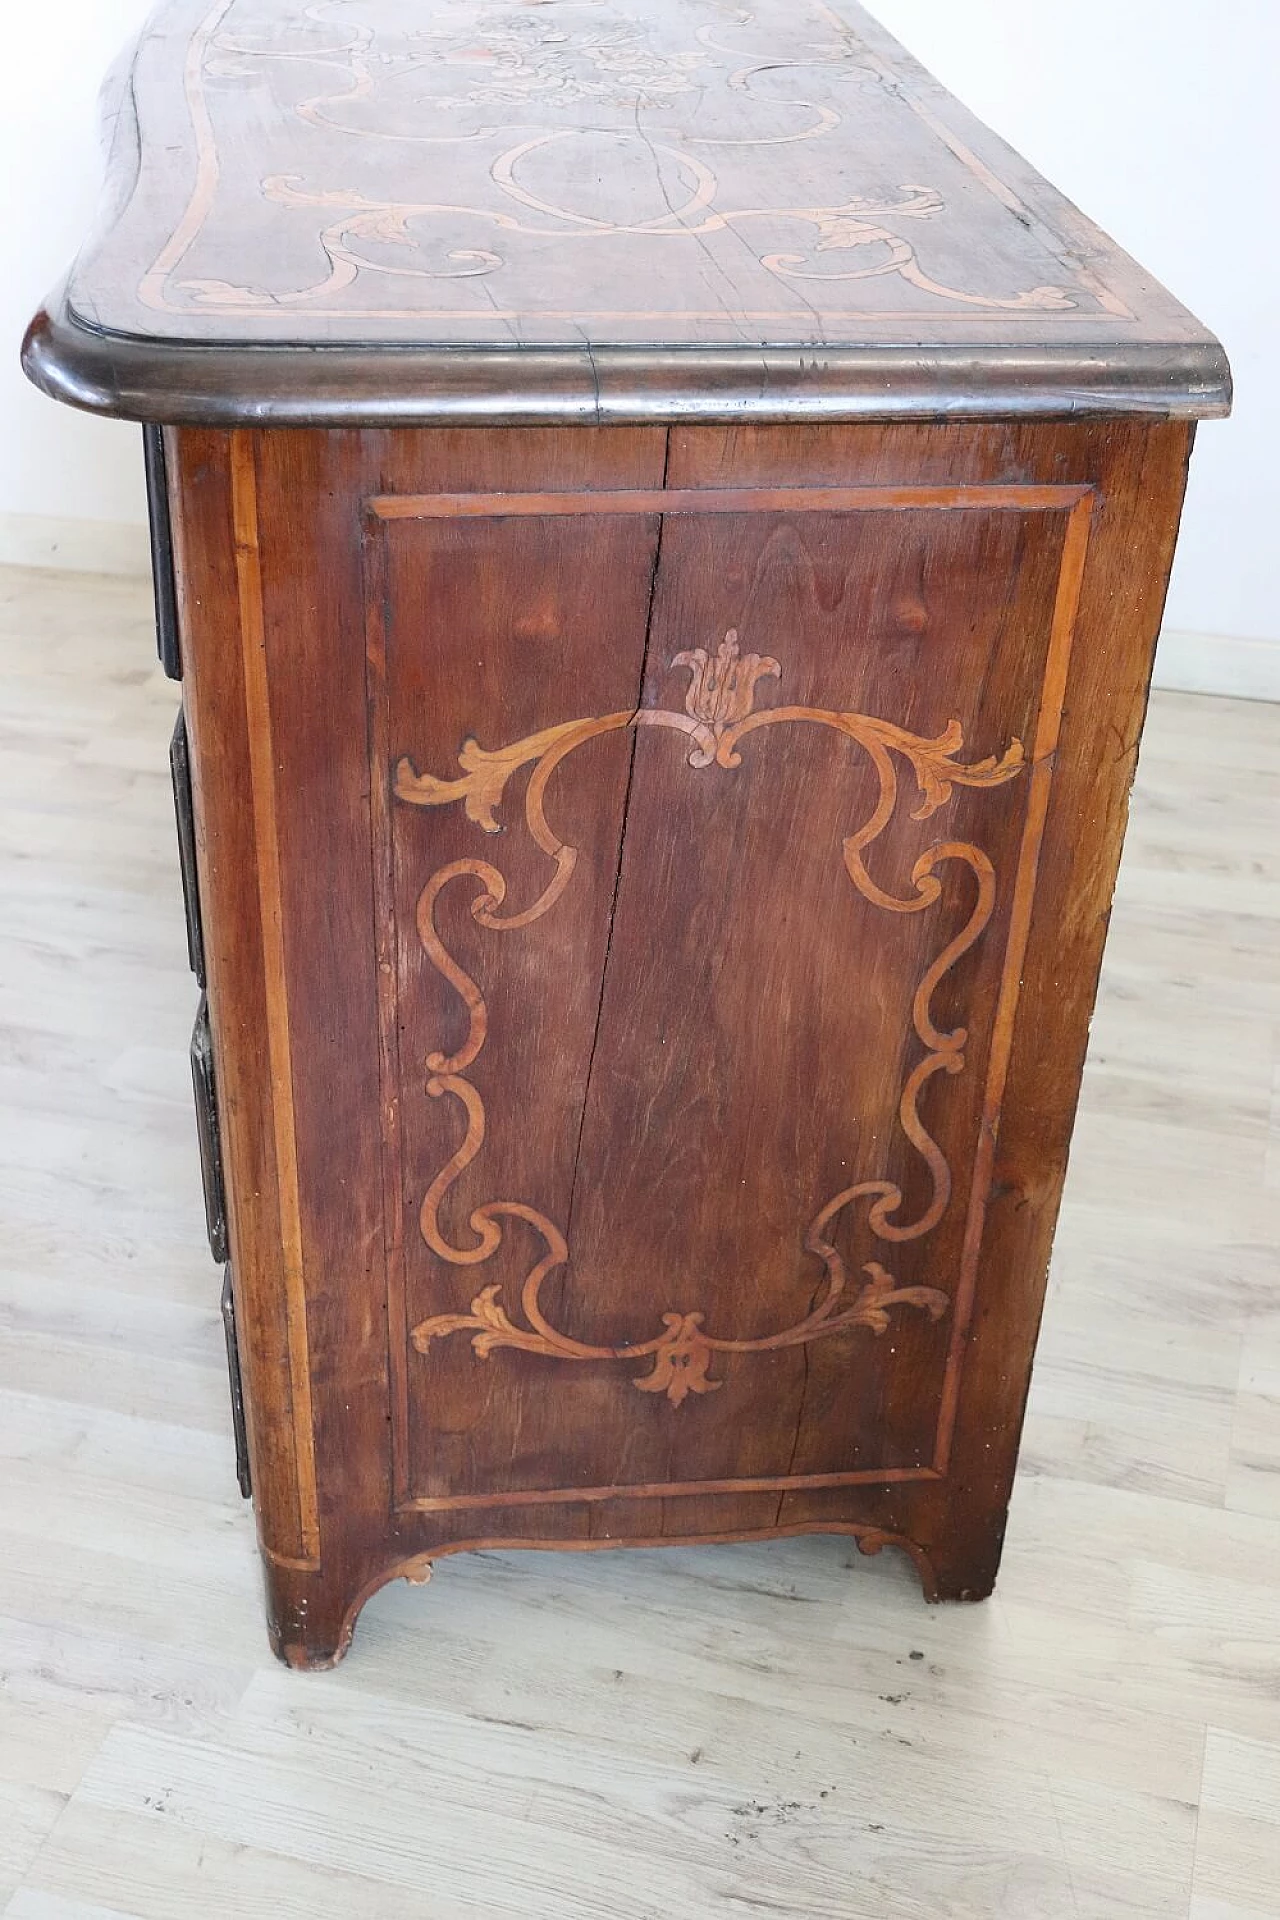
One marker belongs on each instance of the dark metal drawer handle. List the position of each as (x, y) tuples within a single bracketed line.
[(162, 573), (237, 1387), (180, 771), (202, 1081)]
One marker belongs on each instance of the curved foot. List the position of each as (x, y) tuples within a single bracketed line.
[(303, 1656), (966, 1571), (311, 1621), (309, 1627)]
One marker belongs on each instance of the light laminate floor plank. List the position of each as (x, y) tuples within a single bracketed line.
[(681, 1734)]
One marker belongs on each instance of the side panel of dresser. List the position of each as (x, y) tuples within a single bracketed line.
[(270, 542)]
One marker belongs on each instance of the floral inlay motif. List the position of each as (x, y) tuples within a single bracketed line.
[(513, 61), (722, 691)]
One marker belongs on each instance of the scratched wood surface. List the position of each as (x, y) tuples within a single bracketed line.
[(683, 1732)]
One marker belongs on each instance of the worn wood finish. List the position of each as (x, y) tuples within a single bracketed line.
[(710, 1075), (651, 855), (585, 210)]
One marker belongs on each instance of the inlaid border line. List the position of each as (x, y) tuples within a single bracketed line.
[(1075, 548), (153, 287), (499, 506), (262, 782), (1053, 242), (673, 1489), (373, 562), (1077, 501)]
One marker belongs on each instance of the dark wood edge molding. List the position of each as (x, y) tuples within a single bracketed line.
[(192, 384)]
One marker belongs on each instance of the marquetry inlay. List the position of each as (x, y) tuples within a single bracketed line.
[(503, 172), (719, 715)]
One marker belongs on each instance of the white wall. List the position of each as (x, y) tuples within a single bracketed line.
[(1158, 116), (53, 462), (1161, 118)]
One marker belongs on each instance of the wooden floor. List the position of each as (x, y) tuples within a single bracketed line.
[(644, 1736)]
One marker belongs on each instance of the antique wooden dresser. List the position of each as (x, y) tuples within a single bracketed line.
[(661, 524)]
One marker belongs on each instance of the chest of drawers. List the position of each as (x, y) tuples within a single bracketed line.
[(661, 524)]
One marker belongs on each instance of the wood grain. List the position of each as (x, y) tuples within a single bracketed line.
[(681, 1357), (704, 500), (574, 601)]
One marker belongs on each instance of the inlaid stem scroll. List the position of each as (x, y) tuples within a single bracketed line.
[(719, 716)]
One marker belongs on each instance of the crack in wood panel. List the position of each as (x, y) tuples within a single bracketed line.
[(1077, 502)]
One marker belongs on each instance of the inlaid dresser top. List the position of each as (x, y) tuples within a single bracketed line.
[(586, 208)]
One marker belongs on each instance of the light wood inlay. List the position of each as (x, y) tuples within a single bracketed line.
[(451, 506), (671, 1490), (585, 210)]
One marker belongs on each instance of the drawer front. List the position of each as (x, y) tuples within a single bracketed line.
[(710, 849)]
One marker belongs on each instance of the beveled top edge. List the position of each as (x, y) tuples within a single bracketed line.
[(180, 383)]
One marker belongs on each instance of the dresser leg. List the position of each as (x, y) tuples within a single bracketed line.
[(312, 1615), (310, 1618), (966, 1568)]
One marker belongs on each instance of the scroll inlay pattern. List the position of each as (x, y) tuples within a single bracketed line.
[(719, 715), (523, 104)]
